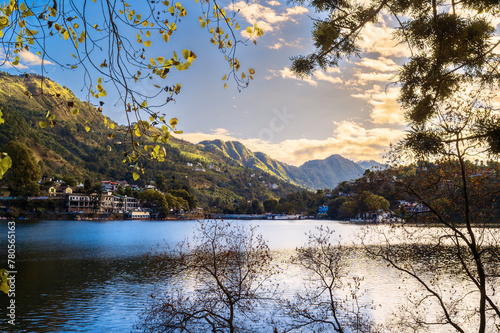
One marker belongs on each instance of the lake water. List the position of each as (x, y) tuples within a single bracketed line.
[(83, 276)]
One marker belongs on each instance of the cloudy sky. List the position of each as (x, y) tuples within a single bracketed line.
[(350, 110)]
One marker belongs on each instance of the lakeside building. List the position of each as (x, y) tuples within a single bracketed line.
[(104, 203)]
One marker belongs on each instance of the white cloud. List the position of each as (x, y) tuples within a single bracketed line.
[(266, 18), (286, 73), (32, 59), (385, 108), (298, 43), (27, 60), (349, 139)]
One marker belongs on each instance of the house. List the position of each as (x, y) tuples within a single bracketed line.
[(59, 191), (138, 214), (199, 168), (109, 186)]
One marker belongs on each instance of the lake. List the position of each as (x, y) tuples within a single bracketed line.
[(85, 276)]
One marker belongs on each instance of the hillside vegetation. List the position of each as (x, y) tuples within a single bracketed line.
[(68, 148)]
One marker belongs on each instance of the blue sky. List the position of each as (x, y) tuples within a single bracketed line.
[(350, 110)]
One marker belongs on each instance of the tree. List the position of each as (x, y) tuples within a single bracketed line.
[(334, 207), (229, 266), (109, 44), (452, 45), (24, 174), (270, 205), (447, 89), (330, 301), (155, 200)]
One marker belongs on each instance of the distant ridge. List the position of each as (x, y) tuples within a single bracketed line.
[(315, 174), (371, 164)]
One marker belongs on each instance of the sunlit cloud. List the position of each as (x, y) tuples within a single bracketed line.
[(379, 39), (266, 18), (349, 139), (318, 75), (380, 64), (384, 106), (361, 78), (274, 3)]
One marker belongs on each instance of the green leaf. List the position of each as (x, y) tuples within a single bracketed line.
[(135, 175)]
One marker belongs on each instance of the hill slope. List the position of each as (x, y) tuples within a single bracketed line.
[(68, 149)]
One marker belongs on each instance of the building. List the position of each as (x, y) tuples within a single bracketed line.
[(107, 203)]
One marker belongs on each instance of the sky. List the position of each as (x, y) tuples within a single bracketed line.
[(350, 110)]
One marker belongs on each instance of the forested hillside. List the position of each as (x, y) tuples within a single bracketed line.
[(67, 148)]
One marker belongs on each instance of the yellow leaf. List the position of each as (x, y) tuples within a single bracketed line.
[(135, 175), (251, 71), (185, 53), (75, 111), (224, 78), (4, 275), (173, 122), (249, 30), (87, 128), (147, 43), (43, 124)]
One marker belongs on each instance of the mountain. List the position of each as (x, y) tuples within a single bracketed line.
[(67, 149), (370, 164), (315, 174), (258, 161), (329, 172)]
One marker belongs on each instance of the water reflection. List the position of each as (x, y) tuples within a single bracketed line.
[(95, 277)]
